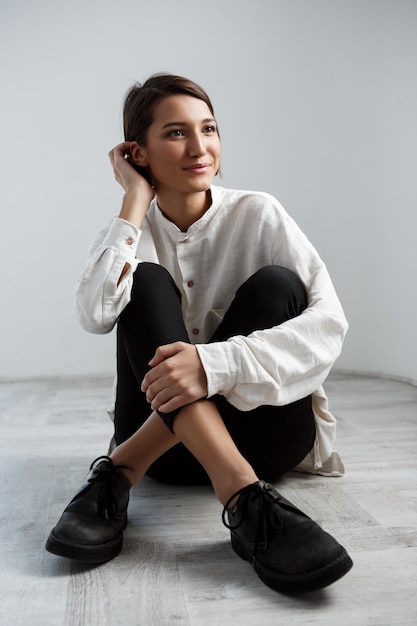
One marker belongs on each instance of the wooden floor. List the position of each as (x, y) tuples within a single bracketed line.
[(177, 566)]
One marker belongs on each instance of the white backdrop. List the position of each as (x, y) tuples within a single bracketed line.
[(317, 104)]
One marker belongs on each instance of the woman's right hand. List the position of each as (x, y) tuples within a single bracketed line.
[(125, 174), (138, 192)]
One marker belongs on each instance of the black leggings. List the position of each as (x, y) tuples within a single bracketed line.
[(274, 439)]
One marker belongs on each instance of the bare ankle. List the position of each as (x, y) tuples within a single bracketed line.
[(125, 465), (225, 489)]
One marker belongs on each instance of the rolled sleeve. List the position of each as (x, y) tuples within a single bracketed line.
[(101, 294), (221, 364)]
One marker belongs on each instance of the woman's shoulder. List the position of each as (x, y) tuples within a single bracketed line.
[(247, 199)]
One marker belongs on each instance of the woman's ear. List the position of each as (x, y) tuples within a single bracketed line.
[(138, 154)]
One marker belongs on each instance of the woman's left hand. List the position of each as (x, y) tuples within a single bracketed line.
[(177, 377)]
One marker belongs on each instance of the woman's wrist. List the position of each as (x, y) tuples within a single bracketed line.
[(136, 202)]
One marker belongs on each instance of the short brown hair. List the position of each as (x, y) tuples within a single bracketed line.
[(141, 100)]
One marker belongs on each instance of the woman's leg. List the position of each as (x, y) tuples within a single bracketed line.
[(200, 428), (288, 551), (152, 318), (272, 440), (271, 296)]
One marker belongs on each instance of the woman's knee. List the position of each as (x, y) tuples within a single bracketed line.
[(275, 287), (155, 300), (155, 291), (149, 276)]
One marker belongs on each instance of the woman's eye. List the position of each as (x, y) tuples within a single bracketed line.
[(176, 133), (210, 129)]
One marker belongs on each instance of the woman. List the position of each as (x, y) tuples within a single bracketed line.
[(227, 326)]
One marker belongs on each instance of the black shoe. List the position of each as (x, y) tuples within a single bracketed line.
[(288, 551), (91, 527)]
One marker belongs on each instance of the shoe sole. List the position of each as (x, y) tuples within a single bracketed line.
[(296, 583), (84, 554)]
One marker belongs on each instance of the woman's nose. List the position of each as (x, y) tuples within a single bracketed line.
[(197, 145)]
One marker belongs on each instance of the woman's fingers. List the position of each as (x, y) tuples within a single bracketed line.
[(177, 377), (124, 172)]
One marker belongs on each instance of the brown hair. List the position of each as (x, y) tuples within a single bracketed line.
[(141, 100)]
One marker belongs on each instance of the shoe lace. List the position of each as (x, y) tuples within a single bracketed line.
[(107, 503), (268, 514)]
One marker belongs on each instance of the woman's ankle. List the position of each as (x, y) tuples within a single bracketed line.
[(126, 466), (226, 489)]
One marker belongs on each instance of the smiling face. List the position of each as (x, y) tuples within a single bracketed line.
[(182, 149)]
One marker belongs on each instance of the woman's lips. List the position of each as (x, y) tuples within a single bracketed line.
[(198, 168)]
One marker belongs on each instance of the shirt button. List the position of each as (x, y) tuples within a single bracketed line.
[(195, 331), (190, 283), (129, 241)]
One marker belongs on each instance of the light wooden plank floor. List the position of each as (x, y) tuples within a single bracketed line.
[(177, 566)]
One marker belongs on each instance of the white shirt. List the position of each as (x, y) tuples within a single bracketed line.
[(241, 232)]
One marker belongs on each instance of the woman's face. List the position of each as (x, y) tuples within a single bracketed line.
[(183, 146)]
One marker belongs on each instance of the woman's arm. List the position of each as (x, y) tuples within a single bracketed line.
[(103, 289), (282, 364), (138, 192)]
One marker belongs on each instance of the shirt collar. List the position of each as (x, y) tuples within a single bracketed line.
[(172, 230)]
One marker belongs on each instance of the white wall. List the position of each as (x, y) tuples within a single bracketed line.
[(317, 103)]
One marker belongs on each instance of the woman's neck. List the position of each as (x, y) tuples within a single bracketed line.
[(184, 209)]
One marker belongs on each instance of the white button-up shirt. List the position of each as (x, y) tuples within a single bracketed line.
[(240, 233)]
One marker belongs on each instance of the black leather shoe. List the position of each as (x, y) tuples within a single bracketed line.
[(288, 551), (91, 527)]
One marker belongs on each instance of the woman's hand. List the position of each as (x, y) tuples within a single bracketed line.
[(138, 192), (177, 377), (124, 172)]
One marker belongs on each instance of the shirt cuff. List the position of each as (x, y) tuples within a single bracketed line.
[(220, 361), (122, 235)]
